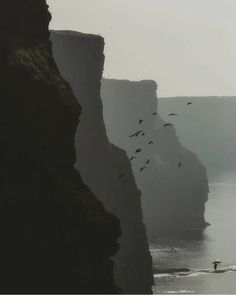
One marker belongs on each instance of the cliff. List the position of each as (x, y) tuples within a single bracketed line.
[(207, 128), (55, 235), (80, 58), (173, 181)]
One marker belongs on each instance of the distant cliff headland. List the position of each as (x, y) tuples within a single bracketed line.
[(209, 117), (173, 181)]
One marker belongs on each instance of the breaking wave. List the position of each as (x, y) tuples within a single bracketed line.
[(185, 272)]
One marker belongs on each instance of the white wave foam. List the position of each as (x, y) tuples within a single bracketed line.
[(180, 292), (232, 267), (195, 273), (162, 275)]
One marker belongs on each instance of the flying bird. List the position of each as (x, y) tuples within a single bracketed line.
[(140, 121), (121, 176), (180, 164), (155, 113), (143, 133), (189, 103), (138, 151), (167, 124), (132, 158), (136, 133), (147, 162), (173, 114), (151, 142), (142, 168)]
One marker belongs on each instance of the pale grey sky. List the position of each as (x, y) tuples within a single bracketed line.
[(187, 46)]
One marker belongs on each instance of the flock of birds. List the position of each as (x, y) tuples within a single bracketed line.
[(142, 133)]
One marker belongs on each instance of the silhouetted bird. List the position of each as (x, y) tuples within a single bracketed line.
[(121, 176), (138, 151), (180, 164), (132, 158), (151, 142), (136, 133), (143, 133), (189, 103), (142, 168), (173, 114), (148, 161), (140, 121), (167, 124), (155, 113)]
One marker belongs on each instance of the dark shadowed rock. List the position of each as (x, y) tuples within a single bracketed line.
[(55, 235), (173, 194), (105, 168)]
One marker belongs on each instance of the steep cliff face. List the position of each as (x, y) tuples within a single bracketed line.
[(80, 59), (55, 235), (173, 183)]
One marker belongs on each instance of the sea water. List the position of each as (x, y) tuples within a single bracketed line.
[(199, 251)]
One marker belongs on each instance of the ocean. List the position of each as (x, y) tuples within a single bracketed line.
[(197, 253)]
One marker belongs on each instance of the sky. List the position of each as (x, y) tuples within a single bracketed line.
[(187, 46)]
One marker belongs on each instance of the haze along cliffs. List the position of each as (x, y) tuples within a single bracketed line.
[(173, 181), (55, 235), (207, 128), (80, 59)]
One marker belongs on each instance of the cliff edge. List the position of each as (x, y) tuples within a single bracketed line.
[(80, 58)]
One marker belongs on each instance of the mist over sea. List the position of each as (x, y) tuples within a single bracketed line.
[(198, 252)]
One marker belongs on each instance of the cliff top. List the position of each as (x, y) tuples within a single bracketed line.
[(78, 35), (150, 83)]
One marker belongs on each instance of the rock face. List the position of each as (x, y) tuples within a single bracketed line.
[(207, 128), (173, 181), (80, 58), (55, 235)]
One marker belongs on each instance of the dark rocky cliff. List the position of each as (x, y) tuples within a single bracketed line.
[(55, 235), (173, 197), (80, 59)]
